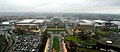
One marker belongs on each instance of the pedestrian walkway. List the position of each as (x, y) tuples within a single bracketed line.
[(47, 45), (64, 47)]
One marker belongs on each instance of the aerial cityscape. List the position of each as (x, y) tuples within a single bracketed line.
[(59, 25), (77, 33)]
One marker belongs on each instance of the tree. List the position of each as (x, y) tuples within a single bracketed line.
[(74, 32), (73, 46), (83, 35), (20, 31), (105, 29)]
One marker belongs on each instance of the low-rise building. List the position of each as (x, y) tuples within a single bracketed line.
[(86, 25), (30, 26), (116, 24), (9, 22), (99, 23)]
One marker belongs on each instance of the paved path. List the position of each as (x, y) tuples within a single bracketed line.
[(47, 45), (64, 47)]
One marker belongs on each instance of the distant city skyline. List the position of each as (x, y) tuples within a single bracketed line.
[(61, 6)]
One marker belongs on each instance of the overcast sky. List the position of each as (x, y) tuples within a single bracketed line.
[(64, 6)]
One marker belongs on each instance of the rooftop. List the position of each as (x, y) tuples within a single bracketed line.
[(116, 22), (26, 21), (99, 21), (85, 22), (8, 22), (56, 17), (25, 24), (39, 21)]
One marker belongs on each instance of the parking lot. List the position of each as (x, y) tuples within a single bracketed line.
[(26, 43)]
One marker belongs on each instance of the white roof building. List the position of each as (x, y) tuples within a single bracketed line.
[(39, 21), (99, 21), (116, 22), (5, 23), (25, 24), (86, 22), (26, 21), (98, 25), (8, 22), (47, 20), (96, 22)]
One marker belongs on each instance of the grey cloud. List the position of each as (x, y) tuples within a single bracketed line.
[(104, 6)]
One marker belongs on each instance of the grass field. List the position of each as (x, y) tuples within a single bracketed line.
[(77, 39), (56, 43), (104, 33)]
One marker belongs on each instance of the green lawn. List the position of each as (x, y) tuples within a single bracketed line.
[(56, 43), (3, 47), (55, 29), (89, 50), (104, 33), (77, 39)]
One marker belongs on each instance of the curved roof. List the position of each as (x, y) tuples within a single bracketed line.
[(39, 21), (86, 22), (116, 22), (26, 21), (8, 22), (99, 21)]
